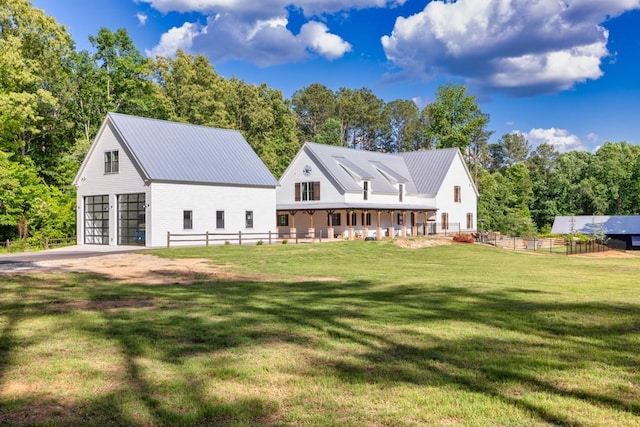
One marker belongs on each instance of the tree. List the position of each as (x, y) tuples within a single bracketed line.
[(329, 133), (191, 91), (125, 75), (401, 126), (516, 148), (314, 105), (453, 119)]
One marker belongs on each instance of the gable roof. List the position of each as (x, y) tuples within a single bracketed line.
[(612, 224), (179, 152), (422, 172), (338, 161)]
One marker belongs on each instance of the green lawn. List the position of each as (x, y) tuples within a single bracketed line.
[(349, 333)]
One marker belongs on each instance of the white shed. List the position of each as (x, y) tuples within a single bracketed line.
[(145, 177)]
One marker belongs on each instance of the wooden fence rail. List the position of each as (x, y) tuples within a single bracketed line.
[(47, 243), (209, 238)]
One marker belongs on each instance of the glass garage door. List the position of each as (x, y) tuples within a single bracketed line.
[(96, 220), (131, 219)]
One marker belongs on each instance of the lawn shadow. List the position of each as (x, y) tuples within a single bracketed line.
[(169, 324)]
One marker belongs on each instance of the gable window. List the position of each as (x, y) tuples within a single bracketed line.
[(335, 219), (111, 162), (469, 220), (283, 220), (400, 192), (219, 219), (457, 195), (444, 218), (365, 192), (187, 220), (306, 191), (248, 219)]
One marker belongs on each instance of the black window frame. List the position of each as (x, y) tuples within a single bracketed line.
[(219, 220), (365, 190), (283, 220), (111, 162), (187, 220), (336, 219), (248, 219)]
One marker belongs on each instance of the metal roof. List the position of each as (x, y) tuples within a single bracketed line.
[(180, 152), (429, 168), (331, 158), (591, 224), (356, 206)]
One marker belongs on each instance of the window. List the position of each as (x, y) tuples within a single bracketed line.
[(365, 193), (187, 220), (335, 219), (352, 220), (283, 220), (457, 196), (366, 218), (469, 221), (306, 191), (400, 191), (445, 221), (111, 163), (399, 218), (248, 219), (219, 219)]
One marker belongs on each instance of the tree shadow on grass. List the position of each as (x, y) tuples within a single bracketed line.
[(537, 338)]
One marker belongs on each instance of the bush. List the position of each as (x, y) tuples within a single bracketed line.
[(226, 242), (284, 241), (260, 243), (464, 238)]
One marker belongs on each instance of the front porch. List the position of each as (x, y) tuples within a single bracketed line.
[(356, 223)]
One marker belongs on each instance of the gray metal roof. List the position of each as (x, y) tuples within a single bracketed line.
[(357, 206), (429, 168), (180, 152), (590, 224), (329, 157)]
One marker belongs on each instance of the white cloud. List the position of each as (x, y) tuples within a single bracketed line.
[(593, 137), (142, 18), (561, 139), (518, 46), (256, 31), (176, 38)]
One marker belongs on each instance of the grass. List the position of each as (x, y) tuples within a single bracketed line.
[(349, 333)]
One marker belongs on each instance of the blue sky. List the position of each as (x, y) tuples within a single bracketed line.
[(564, 72)]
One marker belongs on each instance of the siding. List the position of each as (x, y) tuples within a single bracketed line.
[(95, 182)]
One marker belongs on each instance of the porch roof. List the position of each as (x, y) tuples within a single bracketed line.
[(355, 206)]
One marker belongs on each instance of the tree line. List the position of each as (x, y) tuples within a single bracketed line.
[(53, 98)]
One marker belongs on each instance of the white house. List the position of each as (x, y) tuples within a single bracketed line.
[(144, 177), (624, 228), (339, 191)]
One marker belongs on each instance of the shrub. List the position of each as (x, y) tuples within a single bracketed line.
[(260, 242), (284, 241), (226, 242), (464, 238)]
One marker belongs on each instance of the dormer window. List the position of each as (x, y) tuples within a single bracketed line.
[(400, 192), (365, 192), (111, 162)]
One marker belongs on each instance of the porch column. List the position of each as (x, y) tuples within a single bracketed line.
[(414, 223), (311, 232), (364, 223), (403, 230), (350, 218), (378, 225), (292, 229), (330, 232), (392, 228)]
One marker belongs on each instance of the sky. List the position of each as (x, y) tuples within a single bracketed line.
[(564, 72)]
